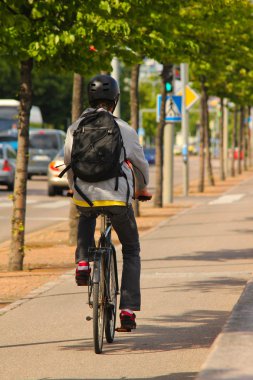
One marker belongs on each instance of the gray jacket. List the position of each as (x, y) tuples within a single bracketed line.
[(105, 190)]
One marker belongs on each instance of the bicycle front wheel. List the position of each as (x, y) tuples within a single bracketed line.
[(112, 292), (98, 312)]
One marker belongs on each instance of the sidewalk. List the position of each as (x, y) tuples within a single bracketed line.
[(195, 266)]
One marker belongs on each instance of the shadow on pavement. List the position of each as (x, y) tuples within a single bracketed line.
[(209, 285), (42, 343), (198, 330), (171, 376), (225, 374), (220, 255)]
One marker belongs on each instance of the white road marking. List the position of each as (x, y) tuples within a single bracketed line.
[(56, 204), (38, 218), (225, 199), (5, 204), (37, 204), (196, 274)]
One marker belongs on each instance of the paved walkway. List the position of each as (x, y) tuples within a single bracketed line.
[(194, 269)]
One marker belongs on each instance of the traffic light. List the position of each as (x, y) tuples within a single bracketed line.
[(169, 82), (177, 72)]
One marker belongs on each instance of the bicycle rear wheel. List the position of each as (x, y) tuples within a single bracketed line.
[(112, 292), (99, 310)]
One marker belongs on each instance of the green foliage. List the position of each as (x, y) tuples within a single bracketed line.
[(225, 54), (66, 36), (71, 35)]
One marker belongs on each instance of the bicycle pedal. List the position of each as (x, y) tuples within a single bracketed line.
[(121, 329)]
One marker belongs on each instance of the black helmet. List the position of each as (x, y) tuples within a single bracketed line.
[(103, 87)]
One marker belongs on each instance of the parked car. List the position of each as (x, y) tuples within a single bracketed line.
[(56, 185), (7, 166), (43, 146), (149, 155)]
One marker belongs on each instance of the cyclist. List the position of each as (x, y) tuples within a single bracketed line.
[(103, 94)]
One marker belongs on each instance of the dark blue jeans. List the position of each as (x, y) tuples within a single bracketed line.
[(124, 223)]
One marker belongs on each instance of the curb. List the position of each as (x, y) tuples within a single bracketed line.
[(36, 292), (231, 353)]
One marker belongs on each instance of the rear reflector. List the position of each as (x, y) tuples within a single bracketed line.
[(53, 165), (6, 166)]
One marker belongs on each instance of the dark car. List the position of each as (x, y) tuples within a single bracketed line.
[(7, 166), (150, 155), (44, 144)]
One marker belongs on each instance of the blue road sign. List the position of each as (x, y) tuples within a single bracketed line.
[(173, 108)]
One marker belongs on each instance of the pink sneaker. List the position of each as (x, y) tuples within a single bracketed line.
[(127, 320), (83, 273)]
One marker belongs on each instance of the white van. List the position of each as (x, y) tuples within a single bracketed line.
[(9, 109)]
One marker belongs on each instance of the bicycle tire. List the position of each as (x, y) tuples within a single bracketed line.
[(112, 292), (99, 311)]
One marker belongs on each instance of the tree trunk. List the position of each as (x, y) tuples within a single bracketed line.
[(17, 252), (234, 134), (240, 141), (245, 142), (77, 105), (201, 185), (249, 137), (77, 97), (158, 202), (208, 143), (222, 171), (134, 104)]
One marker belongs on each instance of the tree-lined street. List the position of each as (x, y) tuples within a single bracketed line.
[(196, 264)]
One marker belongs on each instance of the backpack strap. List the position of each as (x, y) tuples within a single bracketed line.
[(128, 187), (116, 188), (64, 171), (124, 159), (144, 179), (81, 193), (130, 167)]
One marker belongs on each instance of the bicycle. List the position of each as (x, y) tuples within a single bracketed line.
[(103, 287)]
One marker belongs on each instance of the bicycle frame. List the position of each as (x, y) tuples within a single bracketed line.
[(101, 251)]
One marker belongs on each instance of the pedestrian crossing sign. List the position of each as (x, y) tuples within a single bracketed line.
[(173, 108)]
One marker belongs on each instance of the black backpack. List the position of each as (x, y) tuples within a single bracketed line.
[(96, 150)]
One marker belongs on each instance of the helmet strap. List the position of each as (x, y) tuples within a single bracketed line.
[(115, 103)]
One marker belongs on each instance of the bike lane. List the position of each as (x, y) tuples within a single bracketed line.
[(194, 269)]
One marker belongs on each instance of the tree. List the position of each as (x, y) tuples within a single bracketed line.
[(221, 136), (77, 107), (134, 99), (221, 58), (54, 35)]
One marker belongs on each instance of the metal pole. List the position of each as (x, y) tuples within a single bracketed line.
[(168, 163), (225, 137), (185, 129), (116, 75), (251, 135)]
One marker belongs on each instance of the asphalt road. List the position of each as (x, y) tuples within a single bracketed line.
[(43, 211)]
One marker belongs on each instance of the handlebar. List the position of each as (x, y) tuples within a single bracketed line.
[(144, 197)]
